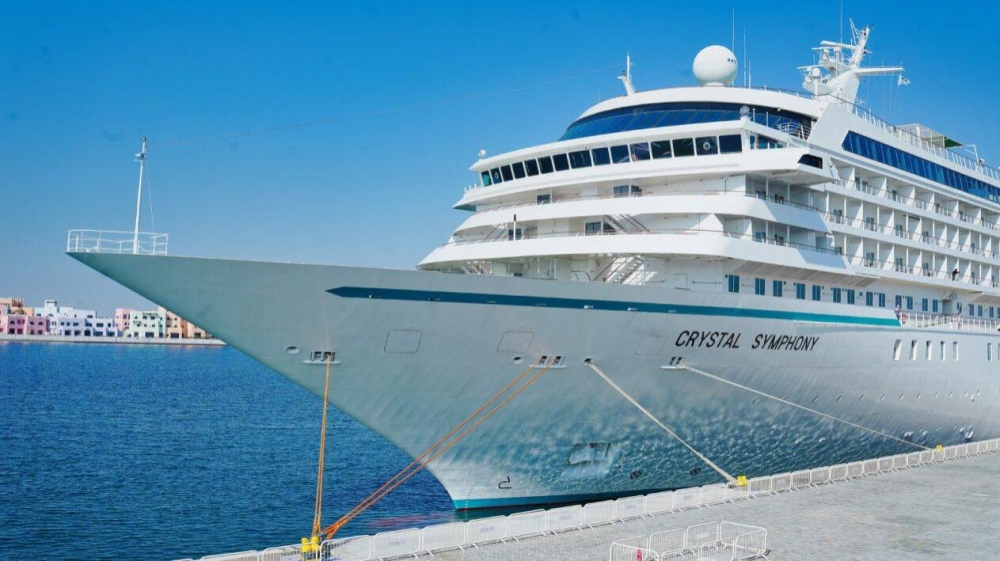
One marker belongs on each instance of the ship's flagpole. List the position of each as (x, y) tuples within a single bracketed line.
[(141, 156)]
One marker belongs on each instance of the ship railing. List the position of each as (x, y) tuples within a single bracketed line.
[(109, 241), (886, 193), (868, 262), (900, 232), (954, 322), (744, 541)]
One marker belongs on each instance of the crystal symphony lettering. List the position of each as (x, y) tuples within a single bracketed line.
[(731, 340)]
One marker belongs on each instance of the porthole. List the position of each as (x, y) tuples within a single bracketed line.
[(292, 350), (517, 360)]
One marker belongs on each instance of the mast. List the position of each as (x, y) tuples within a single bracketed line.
[(141, 156), (626, 76)]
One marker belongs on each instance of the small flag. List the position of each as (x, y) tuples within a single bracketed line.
[(902, 81)]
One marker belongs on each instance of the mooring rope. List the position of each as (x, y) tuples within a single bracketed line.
[(796, 405), (702, 457)]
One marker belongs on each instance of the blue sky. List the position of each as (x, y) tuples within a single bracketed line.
[(80, 84)]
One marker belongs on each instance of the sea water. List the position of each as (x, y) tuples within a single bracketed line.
[(162, 452)]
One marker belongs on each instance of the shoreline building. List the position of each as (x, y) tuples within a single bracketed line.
[(68, 321), (13, 320), (145, 325), (176, 327)]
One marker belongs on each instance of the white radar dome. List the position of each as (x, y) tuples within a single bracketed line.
[(715, 66)]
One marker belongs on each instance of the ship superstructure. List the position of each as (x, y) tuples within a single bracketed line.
[(784, 279)]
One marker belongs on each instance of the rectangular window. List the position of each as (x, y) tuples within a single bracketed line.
[(543, 199), (954, 350), (683, 147), (817, 292), (776, 288), (619, 154), (913, 350), (923, 305), (545, 164), (561, 162), (495, 174), (734, 283), (881, 299), (661, 149), (896, 347), (943, 357), (486, 179), (800, 291), (639, 151), (593, 228), (837, 295), (601, 156), (928, 350), (707, 145), (989, 351), (580, 159), (934, 306), (899, 301), (869, 298), (621, 191), (508, 175), (730, 144), (909, 302), (531, 166), (979, 310), (518, 168), (850, 295)]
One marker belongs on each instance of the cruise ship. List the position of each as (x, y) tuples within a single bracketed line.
[(690, 283)]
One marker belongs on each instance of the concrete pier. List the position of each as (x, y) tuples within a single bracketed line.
[(948, 510)]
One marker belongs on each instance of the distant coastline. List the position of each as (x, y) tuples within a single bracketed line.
[(110, 340)]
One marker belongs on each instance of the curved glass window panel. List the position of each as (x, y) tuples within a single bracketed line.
[(561, 162), (730, 144), (910, 163), (531, 166), (518, 168), (640, 151), (486, 179), (601, 156), (683, 147), (495, 174), (707, 145), (675, 113), (660, 149), (619, 154), (508, 175), (580, 159), (545, 164)]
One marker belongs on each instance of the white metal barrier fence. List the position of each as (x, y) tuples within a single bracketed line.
[(712, 540), (540, 522)]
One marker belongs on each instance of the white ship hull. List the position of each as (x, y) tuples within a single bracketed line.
[(426, 349)]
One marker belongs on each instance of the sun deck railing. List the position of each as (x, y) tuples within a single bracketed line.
[(108, 241)]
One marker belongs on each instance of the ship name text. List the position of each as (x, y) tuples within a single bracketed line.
[(731, 340)]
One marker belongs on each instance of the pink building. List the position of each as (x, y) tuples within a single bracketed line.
[(123, 317), (20, 324)]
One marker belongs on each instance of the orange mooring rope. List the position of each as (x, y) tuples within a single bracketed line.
[(423, 460)]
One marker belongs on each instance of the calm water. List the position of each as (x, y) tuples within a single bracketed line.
[(180, 451)]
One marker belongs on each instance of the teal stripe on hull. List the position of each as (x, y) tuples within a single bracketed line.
[(604, 305)]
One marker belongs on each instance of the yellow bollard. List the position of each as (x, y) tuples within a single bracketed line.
[(741, 481), (939, 448)]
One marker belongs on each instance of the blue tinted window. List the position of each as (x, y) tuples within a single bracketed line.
[(850, 295), (639, 151), (734, 283), (730, 144), (561, 162), (486, 179), (673, 114), (495, 174), (837, 295), (580, 159), (874, 150), (507, 174), (758, 287), (518, 168), (707, 145), (619, 154), (683, 147), (817, 292), (660, 149), (776, 288), (545, 163), (909, 302), (800, 291), (601, 156), (531, 166)]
